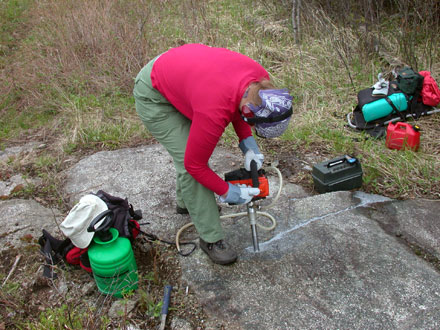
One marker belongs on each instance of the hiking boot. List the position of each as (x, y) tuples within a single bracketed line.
[(219, 252), (184, 210)]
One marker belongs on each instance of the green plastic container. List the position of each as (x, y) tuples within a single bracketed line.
[(341, 173), (381, 108), (113, 265)]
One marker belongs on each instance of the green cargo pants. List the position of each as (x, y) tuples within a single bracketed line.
[(171, 129)]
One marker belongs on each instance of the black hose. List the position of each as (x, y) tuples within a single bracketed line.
[(151, 237)]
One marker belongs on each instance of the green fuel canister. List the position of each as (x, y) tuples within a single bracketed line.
[(111, 258)]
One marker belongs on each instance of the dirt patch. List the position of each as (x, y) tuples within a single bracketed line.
[(295, 164), (29, 298)]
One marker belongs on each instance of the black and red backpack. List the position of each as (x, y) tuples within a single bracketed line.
[(56, 250)]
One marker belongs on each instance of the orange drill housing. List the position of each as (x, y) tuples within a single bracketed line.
[(264, 185), (241, 176)]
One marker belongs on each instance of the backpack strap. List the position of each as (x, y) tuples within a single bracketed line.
[(416, 107), (401, 115), (123, 212), (54, 250), (135, 214)]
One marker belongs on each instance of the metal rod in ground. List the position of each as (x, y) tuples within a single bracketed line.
[(252, 214), (255, 238), (166, 303)]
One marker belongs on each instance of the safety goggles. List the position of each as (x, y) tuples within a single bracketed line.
[(247, 114)]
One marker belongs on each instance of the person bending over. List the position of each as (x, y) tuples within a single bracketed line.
[(186, 97)]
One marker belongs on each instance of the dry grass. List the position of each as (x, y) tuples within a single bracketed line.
[(68, 81), (67, 69)]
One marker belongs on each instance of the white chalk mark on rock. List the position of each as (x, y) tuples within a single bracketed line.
[(365, 199)]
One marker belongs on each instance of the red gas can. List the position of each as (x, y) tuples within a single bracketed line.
[(403, 135)]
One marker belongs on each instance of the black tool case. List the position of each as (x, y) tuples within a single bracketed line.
[(342, 173)]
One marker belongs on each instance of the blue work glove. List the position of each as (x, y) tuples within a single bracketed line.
[(251, 152), (249, 156), (239, 194)]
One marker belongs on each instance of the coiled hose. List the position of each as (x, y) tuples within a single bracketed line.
[(240, 214)]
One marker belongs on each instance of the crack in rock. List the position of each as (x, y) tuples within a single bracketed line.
[(365, 199)]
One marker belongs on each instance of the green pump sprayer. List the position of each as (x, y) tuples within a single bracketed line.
[(111, 258)]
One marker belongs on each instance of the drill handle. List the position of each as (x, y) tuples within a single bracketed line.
[(254, 174)]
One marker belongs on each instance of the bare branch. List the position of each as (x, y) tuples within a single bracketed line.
[(295, 20)]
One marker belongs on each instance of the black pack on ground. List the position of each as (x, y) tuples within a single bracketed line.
[(56, 250), (341, 173), (122, 213), (415, 108), (409, 81)]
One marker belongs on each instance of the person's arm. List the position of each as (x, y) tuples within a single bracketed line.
[(202, 140), (242, 129), (247, 144)]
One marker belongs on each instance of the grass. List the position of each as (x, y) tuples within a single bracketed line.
[(30, 301), (11, 13), (66, 317), (67, 75)]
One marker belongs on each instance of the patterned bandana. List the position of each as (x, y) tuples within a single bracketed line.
[(275, 102)]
